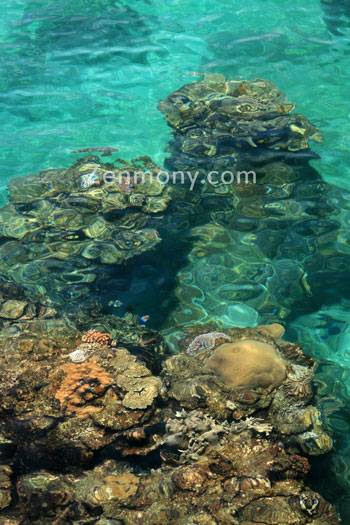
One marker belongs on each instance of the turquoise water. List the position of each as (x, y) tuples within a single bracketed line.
[(91, 73)]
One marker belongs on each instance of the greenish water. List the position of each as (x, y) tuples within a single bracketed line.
[(91, 73)]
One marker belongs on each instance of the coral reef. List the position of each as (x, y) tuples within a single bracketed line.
[(51, 399), (273, 244), (208, 450), (100, 424), (63, 228), (224, 123), (254, 372)]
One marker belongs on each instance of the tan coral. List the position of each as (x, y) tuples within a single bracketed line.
[(140, 387), (248, 364), (82, 384)]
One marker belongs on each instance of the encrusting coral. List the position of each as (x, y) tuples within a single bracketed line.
[(81, 385)]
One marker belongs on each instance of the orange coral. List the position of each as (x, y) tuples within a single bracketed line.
[(94, 336), (82, 384)]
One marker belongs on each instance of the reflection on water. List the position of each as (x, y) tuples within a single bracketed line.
[(337, 15)]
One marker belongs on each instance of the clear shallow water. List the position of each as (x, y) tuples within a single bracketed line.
[(91, 73)]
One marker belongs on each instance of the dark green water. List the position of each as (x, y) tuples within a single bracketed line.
[(91, 73)]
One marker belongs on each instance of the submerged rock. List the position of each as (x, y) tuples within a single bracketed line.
[(273, 245), (227, 123), (16, 311), (63, 228), (12, 309)]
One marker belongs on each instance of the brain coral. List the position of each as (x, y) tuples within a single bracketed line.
[(248, 363)]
